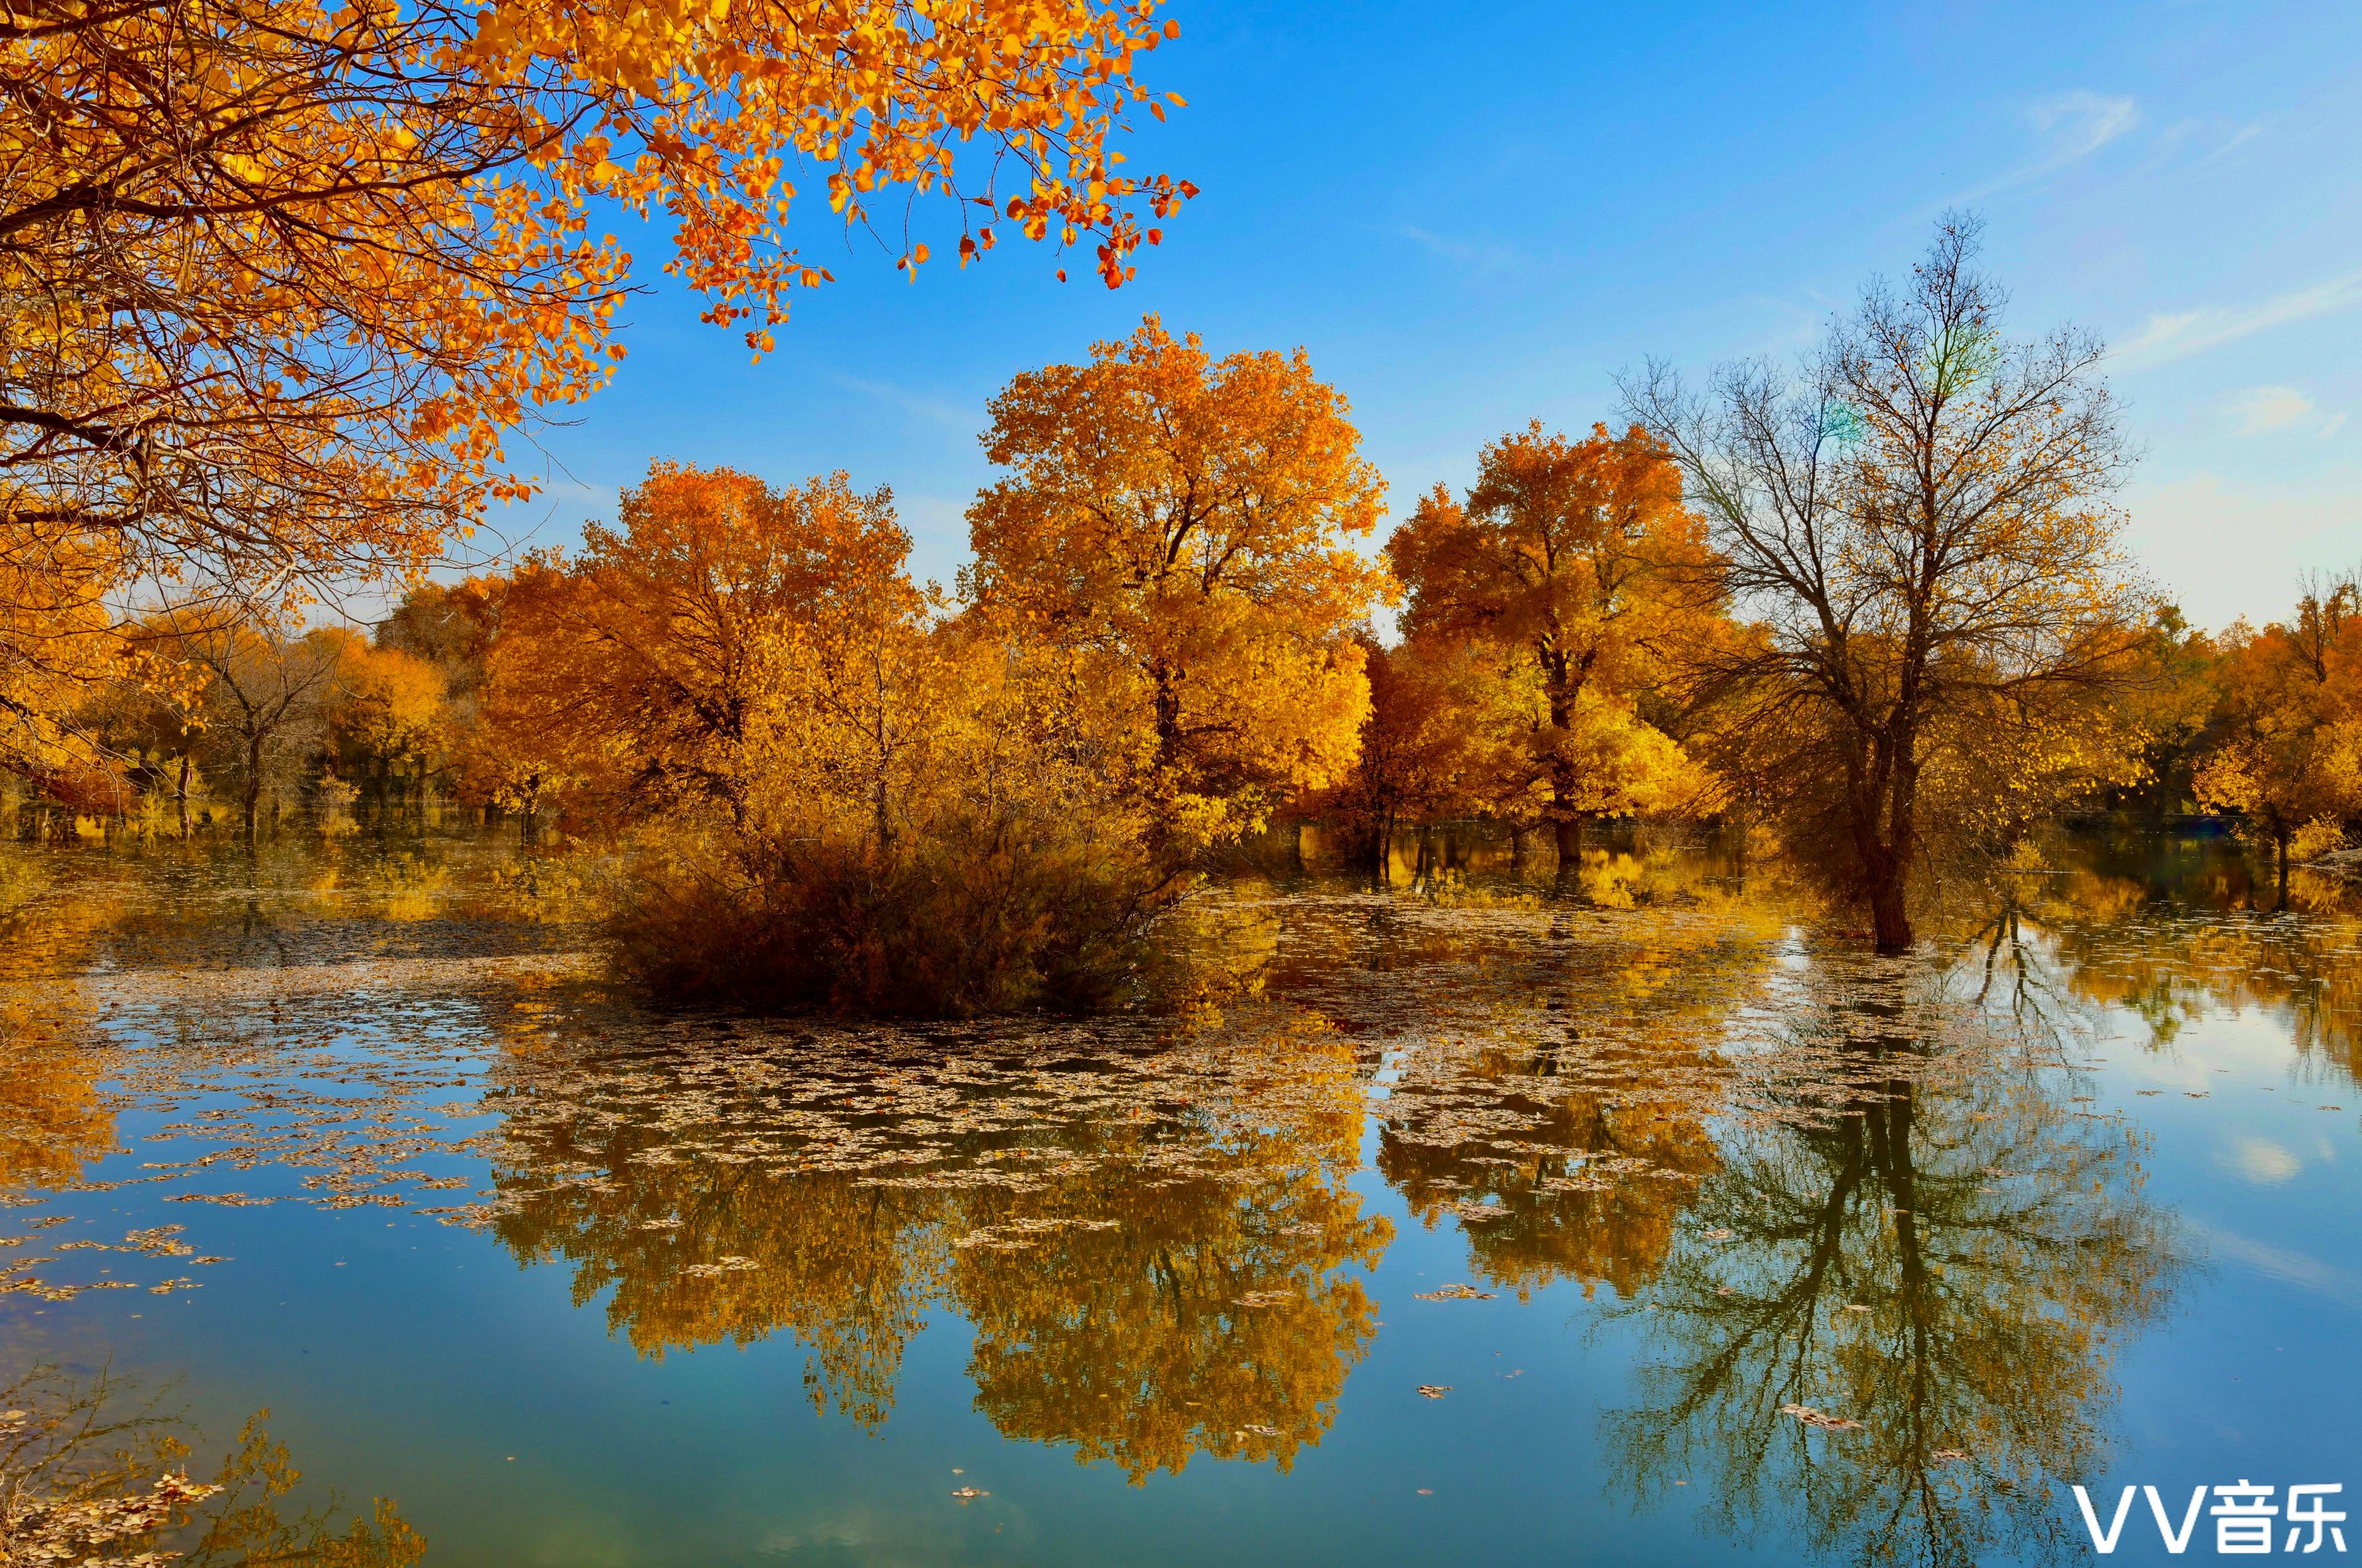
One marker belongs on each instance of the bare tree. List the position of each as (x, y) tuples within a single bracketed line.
[(261, 698), (1915, 522)]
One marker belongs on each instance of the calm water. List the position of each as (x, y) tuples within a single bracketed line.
[(1665, 1228)]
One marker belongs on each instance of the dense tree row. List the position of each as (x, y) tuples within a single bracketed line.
[(1872, 609)]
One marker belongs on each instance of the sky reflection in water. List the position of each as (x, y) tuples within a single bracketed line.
[(1664, 1229)]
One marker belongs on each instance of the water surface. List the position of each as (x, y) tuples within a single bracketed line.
[(1660, 1225)]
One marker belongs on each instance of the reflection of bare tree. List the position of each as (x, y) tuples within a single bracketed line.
[(89, 1475), (2170, 954), (1948, 1264)]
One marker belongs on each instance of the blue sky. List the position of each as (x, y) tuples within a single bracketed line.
[(1475, 216)]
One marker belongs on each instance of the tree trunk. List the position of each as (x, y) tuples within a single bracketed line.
[(1296, 845), (253, 781), (180, 793), (1886, 857), (1517, 846), (1889, 920), (1569, 830), (2281, 841), (1168, 718)]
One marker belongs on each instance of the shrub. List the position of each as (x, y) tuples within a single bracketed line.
[(1015, 915)]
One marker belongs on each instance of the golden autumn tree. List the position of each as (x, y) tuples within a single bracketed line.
[(496, 754), (388, 718), (1444, 732), (450, 627), (841, 797), (1183, 527), (927, 822), (511, 754), (277, 276), (55, 653), (2171, 703), (640, 663), (2289, 717), (1917, 527), (150, 723), (1578, 562)]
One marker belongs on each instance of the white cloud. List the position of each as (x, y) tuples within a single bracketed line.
[(920, 405), (2178, 335), (2080, 124), (2299, 1269), (2070, 127), (2261, 1161), (2238, 138), (2333, 425), (2261, 409), (1482, 256)]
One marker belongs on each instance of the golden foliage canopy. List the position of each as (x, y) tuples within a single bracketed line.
[(2290, 717), (1578, 564), (636, 669), (1183, 527), (277, 276)]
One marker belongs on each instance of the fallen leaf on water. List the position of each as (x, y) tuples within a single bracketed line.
[(1434, 1390), (1820, 1419), (1452, 1293), (969, 1494)]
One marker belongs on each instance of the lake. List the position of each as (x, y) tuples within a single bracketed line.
[(1655, 1224)]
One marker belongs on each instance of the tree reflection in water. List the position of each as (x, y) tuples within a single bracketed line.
[(1148, 1223), (1567, 1125), (2173, 966), (1949, 1260), (1152, 1245)]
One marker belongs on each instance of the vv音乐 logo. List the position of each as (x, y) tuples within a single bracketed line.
[(2247, 1521)]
